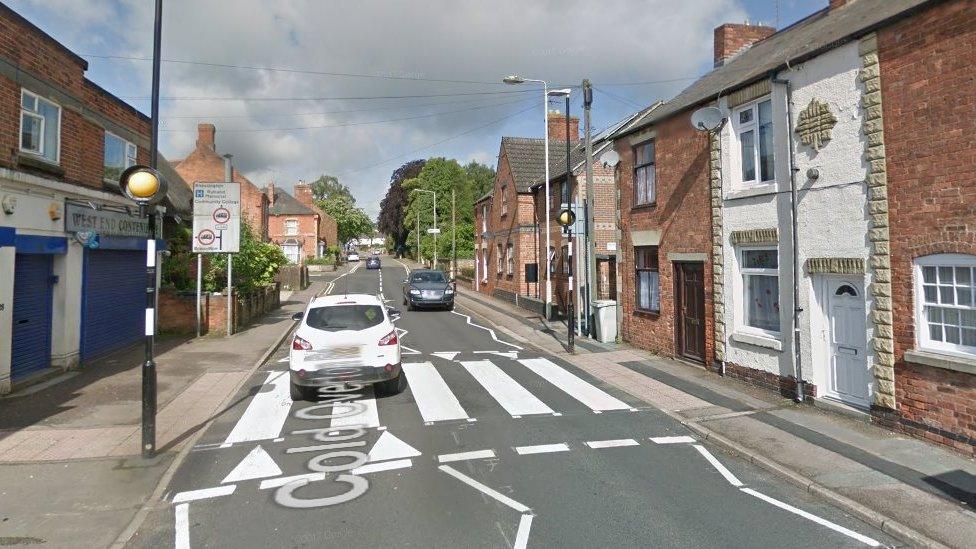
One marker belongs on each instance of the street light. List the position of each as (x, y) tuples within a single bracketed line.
[(567, 218), (435, 222), (515, 79)]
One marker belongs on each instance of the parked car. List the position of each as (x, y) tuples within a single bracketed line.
[(428, 288), (353, 256), (345, 339), (373, 262)]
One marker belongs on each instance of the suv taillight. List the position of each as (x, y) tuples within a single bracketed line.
[(300, 344), (389, 339)]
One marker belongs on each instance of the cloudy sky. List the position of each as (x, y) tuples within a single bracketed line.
[(364, 86)]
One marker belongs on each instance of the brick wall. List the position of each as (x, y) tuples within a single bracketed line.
[(683, 216), (307, 232), (732, 38), (929, 100), (328, 229), (62, 77)]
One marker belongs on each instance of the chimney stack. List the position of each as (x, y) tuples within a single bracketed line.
[(733, 38), (557, 127), (205, 136), (834, 4), (303, 193), (271, 193)]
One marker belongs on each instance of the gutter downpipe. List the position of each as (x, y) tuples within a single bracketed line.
[(797, 363)]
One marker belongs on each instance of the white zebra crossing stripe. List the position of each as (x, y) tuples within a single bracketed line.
[(266, 414), (368, 418), (434, 398), (516, 400), (592, 397)]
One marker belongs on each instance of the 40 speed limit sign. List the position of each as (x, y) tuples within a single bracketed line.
[(216, 217)]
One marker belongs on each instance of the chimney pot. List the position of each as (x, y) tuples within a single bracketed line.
[(732, 38), (205, 136)]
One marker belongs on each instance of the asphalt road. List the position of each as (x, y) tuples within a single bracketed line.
[(492, 445)]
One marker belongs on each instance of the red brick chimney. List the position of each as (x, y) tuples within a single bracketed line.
[(205, 136), (839, 3), (271, 193), (303, 193), (557, 127), (732, 38)]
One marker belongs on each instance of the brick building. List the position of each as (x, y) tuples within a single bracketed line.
[(72, 250), (297, 225), (205, 164)]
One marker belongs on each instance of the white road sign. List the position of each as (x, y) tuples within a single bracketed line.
[(216, 217), (433, 231)]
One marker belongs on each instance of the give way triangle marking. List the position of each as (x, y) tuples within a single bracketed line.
[(390, 447), (446, 355), (257, 464)]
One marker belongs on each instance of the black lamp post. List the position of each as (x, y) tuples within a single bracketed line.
[(567, 218)]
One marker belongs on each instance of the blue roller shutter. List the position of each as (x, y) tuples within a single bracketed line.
[(31, 315), (113, 308)]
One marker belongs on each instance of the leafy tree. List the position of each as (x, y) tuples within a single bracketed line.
[(256, 264), (328, 186), (351, 222), (442, 176), (482, 177), (393, 206)]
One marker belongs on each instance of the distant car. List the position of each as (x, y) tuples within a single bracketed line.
[(373, 262), (345, 339), (425, 288), (353, 256)]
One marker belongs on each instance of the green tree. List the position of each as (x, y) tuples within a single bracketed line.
[(442, 176), (482, 177), (256, 264), (351, 222), (328, 186)]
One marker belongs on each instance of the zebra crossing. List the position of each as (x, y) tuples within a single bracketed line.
[(433, 397)]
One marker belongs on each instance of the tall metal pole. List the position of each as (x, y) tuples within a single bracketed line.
[(568, 195), (419, 260), (545, 120), (590, 209), (149, 366), (435, 226), (199, 292), (229, 177), (453, 234)]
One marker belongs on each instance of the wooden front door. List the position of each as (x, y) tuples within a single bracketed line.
[(690, 310)]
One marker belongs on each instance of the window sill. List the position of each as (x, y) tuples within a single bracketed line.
[(945, 361), (643, 207), (643, 313), (760, 190), (765, 341), (28, 160)]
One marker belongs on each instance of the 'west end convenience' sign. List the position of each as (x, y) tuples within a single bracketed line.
[(104, 222)]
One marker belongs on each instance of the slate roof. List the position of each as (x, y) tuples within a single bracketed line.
[(807, 38), (179, 196), (527, 159), (286, 204)]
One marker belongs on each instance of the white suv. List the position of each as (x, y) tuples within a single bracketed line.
[(346, 339)]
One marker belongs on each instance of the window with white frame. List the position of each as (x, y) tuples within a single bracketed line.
[(645, 185), (119, 155), (760, 283), (484, 218), (944, 302), (291, 227), (648, 281), (753, 128), (510, 259), (40, 126)]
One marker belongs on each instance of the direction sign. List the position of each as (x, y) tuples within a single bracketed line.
[(433, 230), (216, 217)]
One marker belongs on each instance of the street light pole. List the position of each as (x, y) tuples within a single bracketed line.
[(435, 224), (515, 79), (590, 211), (568, 196)]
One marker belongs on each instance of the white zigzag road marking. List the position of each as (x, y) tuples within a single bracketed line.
[(489, 330)]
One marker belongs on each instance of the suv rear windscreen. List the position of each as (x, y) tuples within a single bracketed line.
[(345, 317)]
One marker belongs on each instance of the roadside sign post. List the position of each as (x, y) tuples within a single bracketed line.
[(217, 229)]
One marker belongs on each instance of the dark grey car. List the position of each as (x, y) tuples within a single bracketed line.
[(425, 288)]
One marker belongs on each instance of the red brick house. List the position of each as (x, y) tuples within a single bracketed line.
[(72, 248), (297, 225), (204, 163)]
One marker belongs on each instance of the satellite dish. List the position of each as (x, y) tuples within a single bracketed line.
[(610, 158), (707, 119)]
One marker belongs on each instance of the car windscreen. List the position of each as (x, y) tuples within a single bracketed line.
[(345, 317), (427, 277)]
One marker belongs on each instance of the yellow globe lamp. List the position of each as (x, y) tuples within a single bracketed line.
[(566, 218), (144, 185)]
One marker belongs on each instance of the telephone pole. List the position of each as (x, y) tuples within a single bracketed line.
[(590, 209), (453, 235)]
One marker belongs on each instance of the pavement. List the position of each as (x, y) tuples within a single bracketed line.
[(70, 447), (494, 443), (921, 493)]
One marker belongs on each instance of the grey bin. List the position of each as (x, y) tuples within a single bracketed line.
[(605, 315)]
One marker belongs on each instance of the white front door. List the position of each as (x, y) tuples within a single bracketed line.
[(848, 375)]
